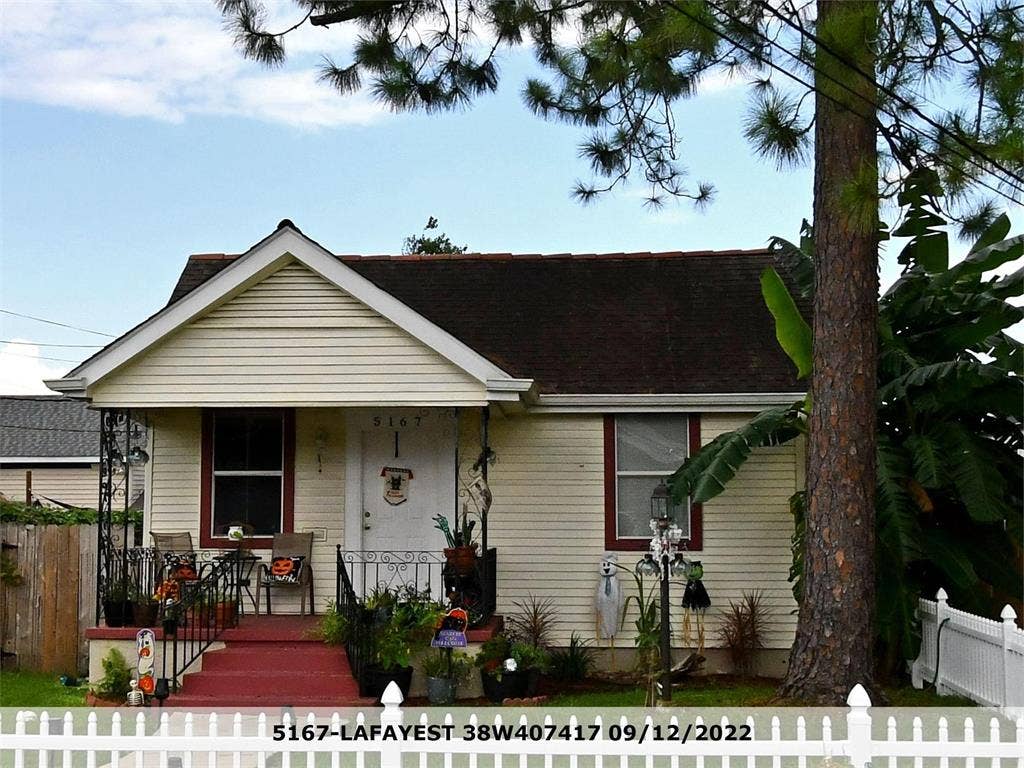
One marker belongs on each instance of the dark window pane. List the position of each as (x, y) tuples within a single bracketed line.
[(247, 442), (254, 501), (264, 442)]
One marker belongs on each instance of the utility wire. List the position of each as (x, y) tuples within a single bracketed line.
[(44, 344), (41, 357), (908, 105), (873, 104), (811, 86), (45, 429), (54, 322)]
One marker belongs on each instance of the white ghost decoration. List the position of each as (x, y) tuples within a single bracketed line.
[(608, 598)]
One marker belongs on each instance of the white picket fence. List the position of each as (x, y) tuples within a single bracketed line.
[(970, 655), (209, 741)]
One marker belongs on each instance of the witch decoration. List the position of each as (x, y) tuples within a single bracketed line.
[(695, 604)]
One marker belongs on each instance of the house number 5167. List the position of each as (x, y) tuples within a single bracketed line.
[(396, 421)]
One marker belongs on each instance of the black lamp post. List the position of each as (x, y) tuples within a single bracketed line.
[(664, 562)]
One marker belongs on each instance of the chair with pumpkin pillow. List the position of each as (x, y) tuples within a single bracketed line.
[(290, 568)]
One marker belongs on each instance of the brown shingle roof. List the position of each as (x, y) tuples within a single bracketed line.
[(591, 323)]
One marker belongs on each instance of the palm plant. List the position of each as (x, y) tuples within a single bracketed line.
[(949, 475)]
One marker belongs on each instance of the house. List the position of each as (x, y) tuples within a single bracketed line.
[(49, 450), (288, 388)]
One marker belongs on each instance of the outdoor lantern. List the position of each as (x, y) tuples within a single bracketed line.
[(662, 508), (648, 566), (679, 566), (137, 456)]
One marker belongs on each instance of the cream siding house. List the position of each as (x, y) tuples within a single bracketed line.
[(354, 367), (49, 451)]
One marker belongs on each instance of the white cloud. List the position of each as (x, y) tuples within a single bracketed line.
[(166, 62), (22, 371)]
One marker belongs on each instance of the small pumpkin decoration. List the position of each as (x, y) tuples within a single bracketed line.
[(168, 591), (286, 568), (282, 566)]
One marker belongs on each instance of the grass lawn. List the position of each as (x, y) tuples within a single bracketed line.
[(727, 691), (37, 689)]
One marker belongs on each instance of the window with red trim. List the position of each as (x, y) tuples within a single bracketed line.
[(248, 474), (640, 451)]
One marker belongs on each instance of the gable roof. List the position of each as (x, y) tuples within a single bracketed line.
[(285, 245), (47, 426), (624, 323)]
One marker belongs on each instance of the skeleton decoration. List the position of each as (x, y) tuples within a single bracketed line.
[(695, 604), (608, 599)]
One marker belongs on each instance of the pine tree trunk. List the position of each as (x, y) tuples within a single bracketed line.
[(833, 649)]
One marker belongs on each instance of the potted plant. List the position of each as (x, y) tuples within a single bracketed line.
[(444, 670), (224, 609), (407, 628), (145, 608), (116, 605), (510, 670), (499, 673), (531, 661), (460, 553)]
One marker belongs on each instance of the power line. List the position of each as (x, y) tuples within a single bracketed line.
[(44, 344), (46, 429), (810, 86), (889, 92), (874, 105), (54, 322), (40, 357)]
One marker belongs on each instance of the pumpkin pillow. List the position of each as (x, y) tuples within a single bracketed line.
[(181, 566), (286, 570)]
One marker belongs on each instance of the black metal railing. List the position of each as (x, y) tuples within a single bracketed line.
[(358, 620), (425, 572), (372, 571), (206, 607)]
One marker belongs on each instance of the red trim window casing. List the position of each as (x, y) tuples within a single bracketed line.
[(206, 537), (611, 540)]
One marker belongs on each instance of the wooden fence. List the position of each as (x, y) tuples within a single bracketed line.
[(49, 602)]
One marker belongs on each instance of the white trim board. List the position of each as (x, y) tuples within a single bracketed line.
[(725, 402), (264, 258)]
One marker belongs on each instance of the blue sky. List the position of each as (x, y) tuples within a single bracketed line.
[(133, 134)]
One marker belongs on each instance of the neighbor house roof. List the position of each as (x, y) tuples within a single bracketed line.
[(47, 427), (627, 323)]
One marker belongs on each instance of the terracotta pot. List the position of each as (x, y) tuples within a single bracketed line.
[(225, 614), (144, 614), (461, 559)]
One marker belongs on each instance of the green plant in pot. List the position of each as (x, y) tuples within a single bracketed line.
[(334, 628), (396, 639), (510, 669), (117, 604), (444, 670)]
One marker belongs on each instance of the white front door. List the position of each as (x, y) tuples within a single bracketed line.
[(407, 478)]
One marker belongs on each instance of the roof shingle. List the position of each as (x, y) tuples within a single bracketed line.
[(624, 323)]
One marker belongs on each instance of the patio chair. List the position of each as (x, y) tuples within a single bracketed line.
[(176, 543), (289, 545)]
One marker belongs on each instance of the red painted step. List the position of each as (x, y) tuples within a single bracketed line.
[(271, 662)]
